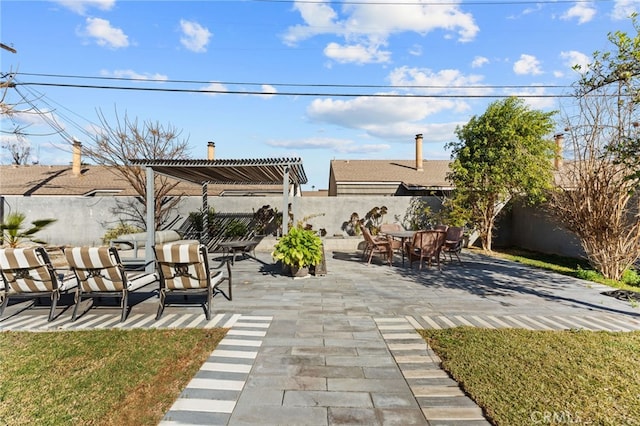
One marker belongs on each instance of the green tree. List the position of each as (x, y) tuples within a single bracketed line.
[(14, 230), (501, 154)]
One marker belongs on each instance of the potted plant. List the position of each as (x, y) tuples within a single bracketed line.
[(298, 250)]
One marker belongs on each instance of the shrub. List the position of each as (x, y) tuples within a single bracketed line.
[(631, 277), (121, 229), (236, 229)]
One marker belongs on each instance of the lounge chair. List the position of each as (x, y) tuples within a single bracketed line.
[(100, 273), (381, 246), (453, 242), (27, 272), (425, 245), (184, 269)]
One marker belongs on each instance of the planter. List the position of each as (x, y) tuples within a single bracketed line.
[(297, 272)]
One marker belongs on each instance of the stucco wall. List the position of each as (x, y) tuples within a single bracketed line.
[(83, 221)]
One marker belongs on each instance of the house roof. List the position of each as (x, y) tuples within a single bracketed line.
[(433, 174), (38, 180)]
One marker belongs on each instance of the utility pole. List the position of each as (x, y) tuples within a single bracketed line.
[(9, 48), (8, 83)]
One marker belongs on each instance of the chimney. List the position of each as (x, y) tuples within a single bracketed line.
[(419, 152), (559, 139), (76, 165), (211, 151)]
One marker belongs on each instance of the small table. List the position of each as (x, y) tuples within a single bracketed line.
[(238, 246), (403, 236)]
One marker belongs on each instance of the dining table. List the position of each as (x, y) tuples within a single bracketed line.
[(403, 236)]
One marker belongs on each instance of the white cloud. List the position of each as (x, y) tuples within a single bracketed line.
[(195, 37), (214, 88), (534, 97), (369, 26), (341, 146), (80, 6), (583, 12), (268, 91), (622, 9), (356, 53), (527, 64), (393, 117), (573, 57), (527, 11), (415, 50), (104, 34), (134, 75), (479, 61)]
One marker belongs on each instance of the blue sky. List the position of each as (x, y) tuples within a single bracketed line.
[(267, 79)]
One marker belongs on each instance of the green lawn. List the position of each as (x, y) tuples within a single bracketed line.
[(524, 377), (98, 377)]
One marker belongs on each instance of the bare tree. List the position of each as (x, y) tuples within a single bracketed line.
[(596, 195), (127, 139), (17, 145)]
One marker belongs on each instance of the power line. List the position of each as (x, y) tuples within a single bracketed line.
[(237, 83), (316, 94)]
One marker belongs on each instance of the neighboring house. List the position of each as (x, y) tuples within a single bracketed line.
[(79, 179), (390, 177)]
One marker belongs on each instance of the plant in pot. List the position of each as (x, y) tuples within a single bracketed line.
[(298, 250)]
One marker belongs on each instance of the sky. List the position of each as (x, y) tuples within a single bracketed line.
[(318, 80)]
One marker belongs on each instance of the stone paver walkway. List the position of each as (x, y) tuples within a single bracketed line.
[(342, 349)]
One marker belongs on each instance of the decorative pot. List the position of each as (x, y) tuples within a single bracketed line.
[(297, 272)]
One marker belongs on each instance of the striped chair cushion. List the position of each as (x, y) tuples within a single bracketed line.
[(26, 270), (96, 267), (182, 266)]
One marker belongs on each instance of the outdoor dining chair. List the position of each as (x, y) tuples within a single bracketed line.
[(386, 228), (100, 273), (374, 245), (453, 242), (425, 246), (184, 269), (27, 272)]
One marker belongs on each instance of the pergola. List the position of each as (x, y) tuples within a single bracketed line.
[(287, 172)]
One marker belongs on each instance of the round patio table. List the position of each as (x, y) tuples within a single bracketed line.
[(402, 236)]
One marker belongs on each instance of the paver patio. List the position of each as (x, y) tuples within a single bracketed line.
[(342, 348)]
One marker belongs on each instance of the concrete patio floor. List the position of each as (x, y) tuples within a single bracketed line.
[(341, 349)]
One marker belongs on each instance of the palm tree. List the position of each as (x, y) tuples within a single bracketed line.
[(13, 231)]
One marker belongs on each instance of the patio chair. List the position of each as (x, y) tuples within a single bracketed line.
[(385, 228), (27, 272), (425, 246), (453, 242), (100, 273), (381, 246), (184, 269)]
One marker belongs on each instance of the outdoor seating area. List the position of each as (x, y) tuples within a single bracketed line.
[(428, 246), (98, 272)]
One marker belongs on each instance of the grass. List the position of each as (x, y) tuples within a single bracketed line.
[(578, 268), (98, 377), (524, 377)]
